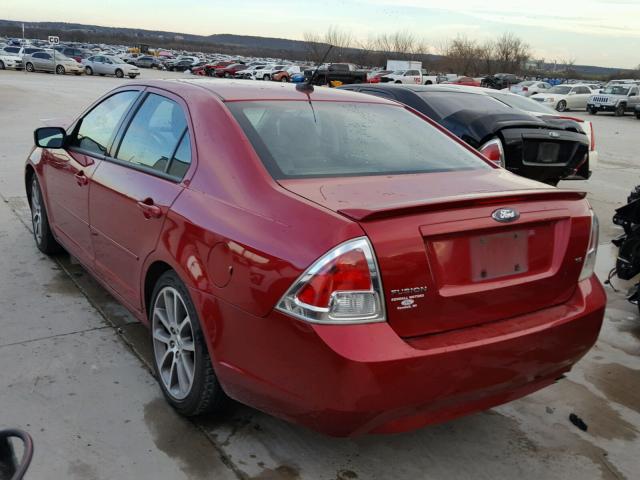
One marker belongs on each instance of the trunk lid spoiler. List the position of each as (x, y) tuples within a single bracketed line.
[(373, 212)]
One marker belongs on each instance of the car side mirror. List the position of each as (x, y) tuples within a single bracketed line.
[(49, 137)]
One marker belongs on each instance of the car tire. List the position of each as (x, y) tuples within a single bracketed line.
[(620, 109), (88, 70), (119, 73), (29, 67), (428, 82), (132, 75), (284, 80), (178, 345), (638, 115), (397, 81), (561, 106), (42, 234), (60, 70), (266, 78), (592, 110), (2, 67)]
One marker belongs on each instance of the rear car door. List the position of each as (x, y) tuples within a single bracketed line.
[(581, 96), (412, 76), (634, 99), (42, 61), (135, 186), (68, 172)]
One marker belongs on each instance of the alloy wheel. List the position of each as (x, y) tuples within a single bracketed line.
[(173, 343), (36, 210), (60, 70)]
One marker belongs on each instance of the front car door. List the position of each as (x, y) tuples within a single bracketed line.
[(135, 186), (68, 172)]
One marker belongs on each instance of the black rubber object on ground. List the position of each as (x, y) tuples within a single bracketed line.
[(578, 422)]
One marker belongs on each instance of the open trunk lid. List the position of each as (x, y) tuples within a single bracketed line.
[(446, 262)]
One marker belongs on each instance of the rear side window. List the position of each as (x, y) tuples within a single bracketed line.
[(97, 128), (182, 158), (445, 104), (153, 135), (334, 139)]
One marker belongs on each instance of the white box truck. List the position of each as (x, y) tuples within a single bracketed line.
[(394, 65)]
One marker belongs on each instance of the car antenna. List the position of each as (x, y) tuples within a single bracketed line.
[(307, 87)]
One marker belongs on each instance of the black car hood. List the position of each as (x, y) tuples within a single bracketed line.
[(475, 126)]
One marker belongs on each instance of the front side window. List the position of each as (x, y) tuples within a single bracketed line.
[(97, 128), (296, 139), (153, 134)]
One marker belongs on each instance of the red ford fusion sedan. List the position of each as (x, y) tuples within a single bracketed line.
[(332, 258)]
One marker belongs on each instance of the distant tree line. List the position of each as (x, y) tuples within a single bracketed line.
[(461, 55)]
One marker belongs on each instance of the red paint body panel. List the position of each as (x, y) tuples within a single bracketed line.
[(352, 380), (239, 239)]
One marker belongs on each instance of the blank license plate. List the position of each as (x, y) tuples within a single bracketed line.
[(499, 255)]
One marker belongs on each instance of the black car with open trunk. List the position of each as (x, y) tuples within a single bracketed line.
[(546, 149)]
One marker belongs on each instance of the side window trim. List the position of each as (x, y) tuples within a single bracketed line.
[(76, 126), (175, 150)]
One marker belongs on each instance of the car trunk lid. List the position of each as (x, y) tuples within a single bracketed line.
[(446, 263)]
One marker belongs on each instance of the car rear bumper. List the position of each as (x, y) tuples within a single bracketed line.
[(351, 380)]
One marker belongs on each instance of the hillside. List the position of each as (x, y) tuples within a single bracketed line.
[(222, 43)]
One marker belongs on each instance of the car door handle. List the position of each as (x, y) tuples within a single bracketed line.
[(149, 209), (81, 178)]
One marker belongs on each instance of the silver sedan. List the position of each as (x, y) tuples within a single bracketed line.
[(109, 65), (51, 62)]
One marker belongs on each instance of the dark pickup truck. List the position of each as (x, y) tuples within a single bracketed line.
[(346, 73)]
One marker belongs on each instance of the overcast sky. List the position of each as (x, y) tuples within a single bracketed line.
[(595, 32)]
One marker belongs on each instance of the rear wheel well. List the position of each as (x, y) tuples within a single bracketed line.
[(28, 178), (154, 272)]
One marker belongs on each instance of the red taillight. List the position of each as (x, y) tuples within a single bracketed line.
[(348, 272), (493, 151), (525, 89), (342, 287)]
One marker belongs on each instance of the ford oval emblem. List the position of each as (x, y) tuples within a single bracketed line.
[(505, 215)]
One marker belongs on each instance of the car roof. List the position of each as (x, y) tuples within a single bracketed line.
[(239, 90)]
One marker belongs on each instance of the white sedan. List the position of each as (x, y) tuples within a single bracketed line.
[(109, 65), (565, 97), (529, 87), (10, 61)]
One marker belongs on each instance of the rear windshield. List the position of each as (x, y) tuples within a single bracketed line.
[(297, 139), (522, 103), (445, 104)]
